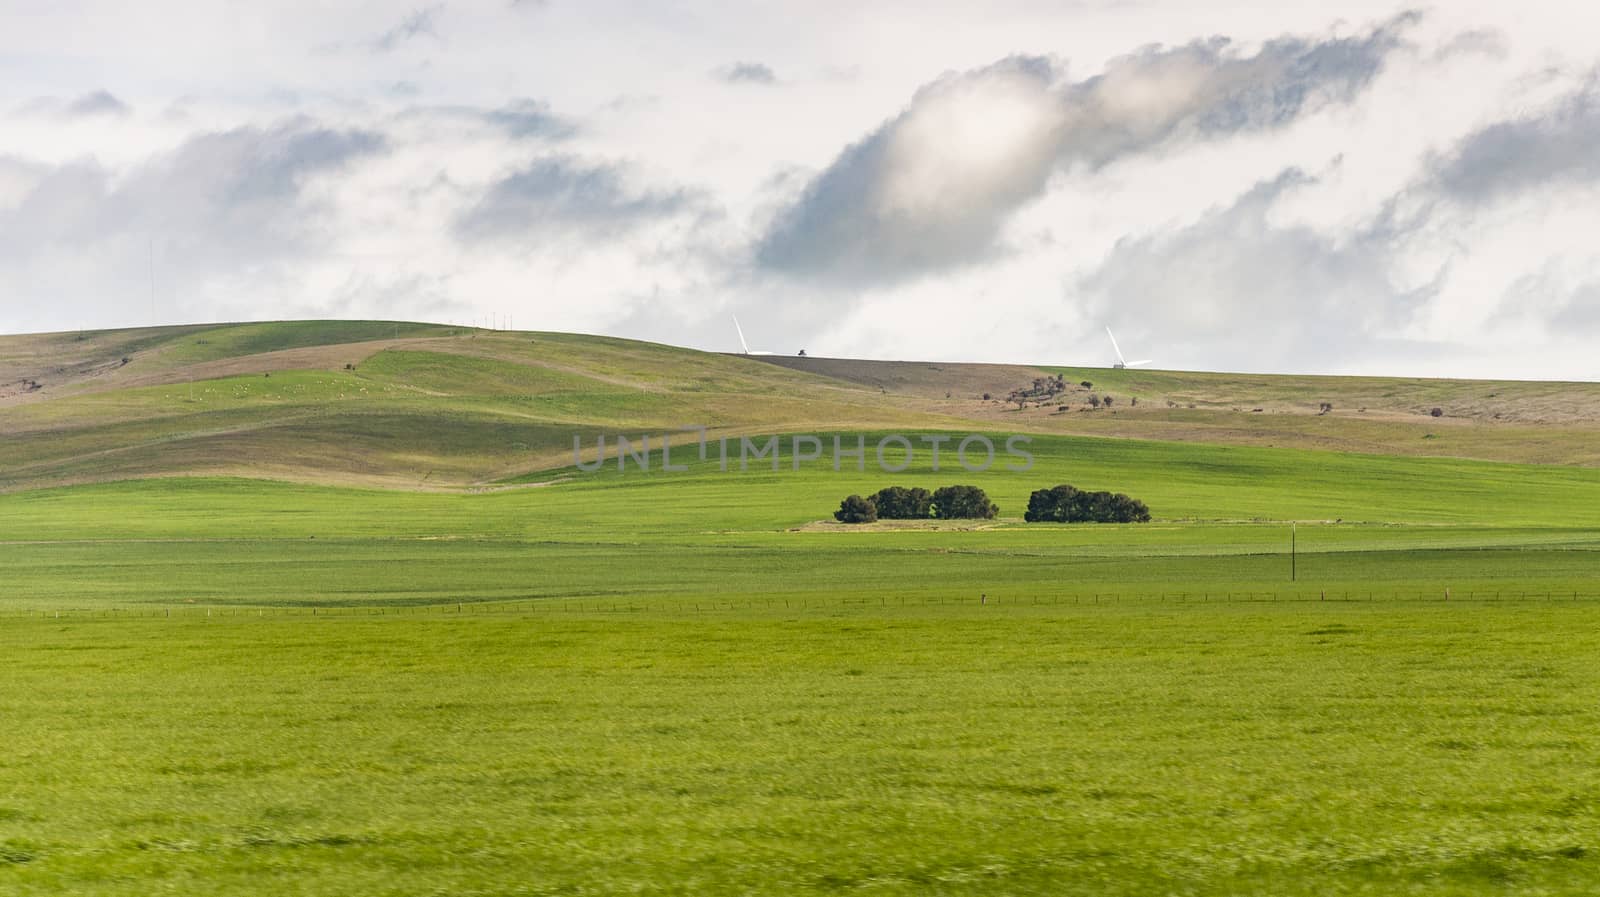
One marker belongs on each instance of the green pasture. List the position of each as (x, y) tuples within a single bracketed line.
[(1364, 525), (1295, 749)]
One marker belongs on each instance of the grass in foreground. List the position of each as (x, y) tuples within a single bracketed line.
[(1282, 750)]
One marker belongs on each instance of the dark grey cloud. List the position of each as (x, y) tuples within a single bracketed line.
[(220, 202), (419, 23), (846, 226), (529, 118), (89, 105), (925, 193), (1265, 296), (1477, 42), (566, 195), (1559, 146), (246, 166), (99, 102), (747, 73), (523, 118)]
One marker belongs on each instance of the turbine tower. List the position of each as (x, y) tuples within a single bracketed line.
[(742, 344), (1122, 362)]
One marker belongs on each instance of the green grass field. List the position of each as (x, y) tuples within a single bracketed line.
[(231, 663), (1232, 749)]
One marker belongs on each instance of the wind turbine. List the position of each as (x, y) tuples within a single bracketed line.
[(744, 345), (1123, 362)]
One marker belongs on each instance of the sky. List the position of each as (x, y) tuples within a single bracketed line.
[(1261, 186)]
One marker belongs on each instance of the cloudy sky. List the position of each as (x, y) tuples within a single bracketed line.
[(1242, 186)]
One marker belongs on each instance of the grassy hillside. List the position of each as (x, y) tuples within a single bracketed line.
[(429, 409), (1529, 421), (422, 406)]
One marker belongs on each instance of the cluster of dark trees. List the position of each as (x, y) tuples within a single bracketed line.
[(913, 503), (1061, 504), (1047, 389), (1042, 390), (1067, 504)]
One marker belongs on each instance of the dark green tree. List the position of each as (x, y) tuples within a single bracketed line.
[(963, 503), (902, 503), (1066, 504), (856, 509), (1049, 505), (1125, 509)]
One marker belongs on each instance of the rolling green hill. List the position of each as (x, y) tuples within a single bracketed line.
[(381, 433), (425, 408), (422, 406)]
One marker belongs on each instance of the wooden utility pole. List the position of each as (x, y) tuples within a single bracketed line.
[(1293, 559)]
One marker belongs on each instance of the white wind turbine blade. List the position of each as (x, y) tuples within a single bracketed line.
[(742, 344), (1116, 348), (1134, 364)]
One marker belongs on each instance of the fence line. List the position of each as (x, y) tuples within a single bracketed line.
[(620, 607)]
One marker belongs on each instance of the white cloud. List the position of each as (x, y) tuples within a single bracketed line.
[(932, 188), (1021, 173)]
